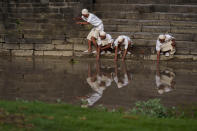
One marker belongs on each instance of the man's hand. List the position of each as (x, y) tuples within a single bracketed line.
[(79, 23)]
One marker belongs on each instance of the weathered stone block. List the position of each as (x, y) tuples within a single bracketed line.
[(38, 53), (110, 27), (26, 46), (128, 28), (193, 48), (80, 47), (154, 29), (10, 46), (58, 53), (58, 42), (22, 52), (184, 30), (44, 46), (64, 47), (182, 51), (4, 52), (142, 42)]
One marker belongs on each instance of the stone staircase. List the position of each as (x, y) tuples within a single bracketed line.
[(144, 20)]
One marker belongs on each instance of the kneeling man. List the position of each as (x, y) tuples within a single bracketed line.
[(165, 44), (125, 41), (104, 43)]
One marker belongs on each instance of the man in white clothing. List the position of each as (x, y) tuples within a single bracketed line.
[(92, 19), (125, 41), (165, 44), (104, 43)]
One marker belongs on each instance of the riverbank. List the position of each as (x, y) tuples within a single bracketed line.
[(39, 116)]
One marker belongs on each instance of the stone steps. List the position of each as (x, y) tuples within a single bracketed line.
[(145, 35), (144, 20), (148, 22), (152, 29), (146, 8), (148, 1), (192, 17)]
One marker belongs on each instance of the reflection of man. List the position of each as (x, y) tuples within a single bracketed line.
[(120, 80), (98, 82), (164, 81)]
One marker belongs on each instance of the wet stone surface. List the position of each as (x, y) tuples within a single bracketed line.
[(92, 83)]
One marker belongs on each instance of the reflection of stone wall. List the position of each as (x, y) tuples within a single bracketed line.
[(45, 80), (39, 27)]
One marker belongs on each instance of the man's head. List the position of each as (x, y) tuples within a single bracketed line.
[(102, 35), (85, 13), (162, 38), (120, 39)]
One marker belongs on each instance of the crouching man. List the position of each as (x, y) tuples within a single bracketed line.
[(165, 45), (124, 41), (92, 19), (104, 42)]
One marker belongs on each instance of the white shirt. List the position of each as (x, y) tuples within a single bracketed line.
[(125, 43), (159, 44), (92, 19), (107, 40)]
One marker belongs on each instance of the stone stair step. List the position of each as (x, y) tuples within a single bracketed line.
[(148, 22), (148, 35), (158, 29), (146, 8), (148, 1), (192, 17)]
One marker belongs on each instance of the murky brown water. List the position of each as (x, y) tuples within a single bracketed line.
[(107, 83)]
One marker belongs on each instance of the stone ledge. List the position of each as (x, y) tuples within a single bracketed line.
[(39, 53), (26, 46), (140, 57), (44, 46), (4, 52), (22, 52), (64, 47), (10, 46), (58, 53)]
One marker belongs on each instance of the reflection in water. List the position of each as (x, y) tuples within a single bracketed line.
[(103, 78), (121, 76), (107, 83), (164, 80)]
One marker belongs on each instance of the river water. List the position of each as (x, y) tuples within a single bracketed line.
[(92, 83)]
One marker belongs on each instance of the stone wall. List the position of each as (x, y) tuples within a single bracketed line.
[(39, 27), (45, 27)]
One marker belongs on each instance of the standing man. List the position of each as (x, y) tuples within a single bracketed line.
[(125, 41), (92, 19), (104, 43), (166, 45)]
